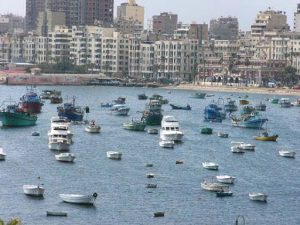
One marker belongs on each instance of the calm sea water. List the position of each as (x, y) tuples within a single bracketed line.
[(122, 196)]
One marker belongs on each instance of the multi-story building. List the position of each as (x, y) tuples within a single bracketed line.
[(47, 20), (10, 23), (5, 48), (98, 11), (130, 17), (165, 23), (269, 21), (77, 12), (224, 28), (297, 19), (59, 44)]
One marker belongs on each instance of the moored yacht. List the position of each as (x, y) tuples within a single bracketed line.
[(170, 130)]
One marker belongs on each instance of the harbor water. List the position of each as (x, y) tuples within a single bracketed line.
[(122, 196)]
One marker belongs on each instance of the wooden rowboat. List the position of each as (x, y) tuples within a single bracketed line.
[(266, 138)]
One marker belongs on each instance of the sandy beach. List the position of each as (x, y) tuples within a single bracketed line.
[(244, 90)]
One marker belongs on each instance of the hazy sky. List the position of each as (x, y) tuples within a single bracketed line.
[(193, 10)]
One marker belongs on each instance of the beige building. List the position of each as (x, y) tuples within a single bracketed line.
[(47, 21), (269, 20), (130, 17)]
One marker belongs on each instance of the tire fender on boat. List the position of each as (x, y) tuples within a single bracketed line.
[(95, 195)]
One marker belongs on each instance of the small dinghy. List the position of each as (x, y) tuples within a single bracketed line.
[(151, 185), (159, 214), (79, 199), (35, 133), (56, 213)]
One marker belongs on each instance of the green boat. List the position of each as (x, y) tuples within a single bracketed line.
[(160, 99), (274, 100), (135, 126), (14, 117), (152, 115), (198, 95), (206, 130)]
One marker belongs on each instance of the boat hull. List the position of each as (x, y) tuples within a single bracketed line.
[(59, 146), (33, 190), (153, 119), (17, 119), (270, 138), (166, 144), (73, 116), (78, 199), (134, 127), (215, 187), (65, 158), (31, 107), (93, 129), (114, 155), (258, 197), (287, 154), (177, 137)]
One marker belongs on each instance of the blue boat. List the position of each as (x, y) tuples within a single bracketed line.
[(213, 113), (70, 111), (253, 120)]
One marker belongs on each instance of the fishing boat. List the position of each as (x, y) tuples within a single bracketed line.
[(142, 96), (135, 125), (223, 135), (213, 186), (120, 101), (152, 131), (166, 144), (244, 102), (285, 103), (78, 198), (93, 127), (177, 107), (12, 116), (65, 157), (264, 136), (296, 103), (55, 99), (261, 107), (2, 154), (159, 98), (198, 95), (243, 145), (114, 155), (248, 109), (71, 111), (213, 113), (254, 196), (120, 110), (206, 130), (170, 129), (31, 103), (210, 165), (34, 190), (230, 106), (225, 179), (274, 100), (152, 114), (287, 153), (46, 94), (253, 120)]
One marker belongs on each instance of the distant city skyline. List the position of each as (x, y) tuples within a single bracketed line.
[(192, 11)]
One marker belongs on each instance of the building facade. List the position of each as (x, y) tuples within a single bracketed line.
[(224, 28), (165, 23)]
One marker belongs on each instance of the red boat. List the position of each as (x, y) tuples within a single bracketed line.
[(31, 103)]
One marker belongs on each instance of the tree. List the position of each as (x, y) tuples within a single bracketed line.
[(288, 77), (11, 222)]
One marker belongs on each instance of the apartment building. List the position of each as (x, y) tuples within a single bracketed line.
[(165, 23), (224, 28)]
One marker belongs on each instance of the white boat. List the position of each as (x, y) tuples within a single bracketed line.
[(93, 127), (114, 155), (226, 179), (237, 149), (33, 190), (65, 157), (286, 153), (170, 130), (2, 154), (120, 110), (210, 165), (258, 196), (59, 144), (214, 186), (223, 135), (285, 103), (244, 146), (152, 131), (79, 199), (166, 144)]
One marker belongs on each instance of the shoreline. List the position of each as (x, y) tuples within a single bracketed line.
[(244, 90)]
